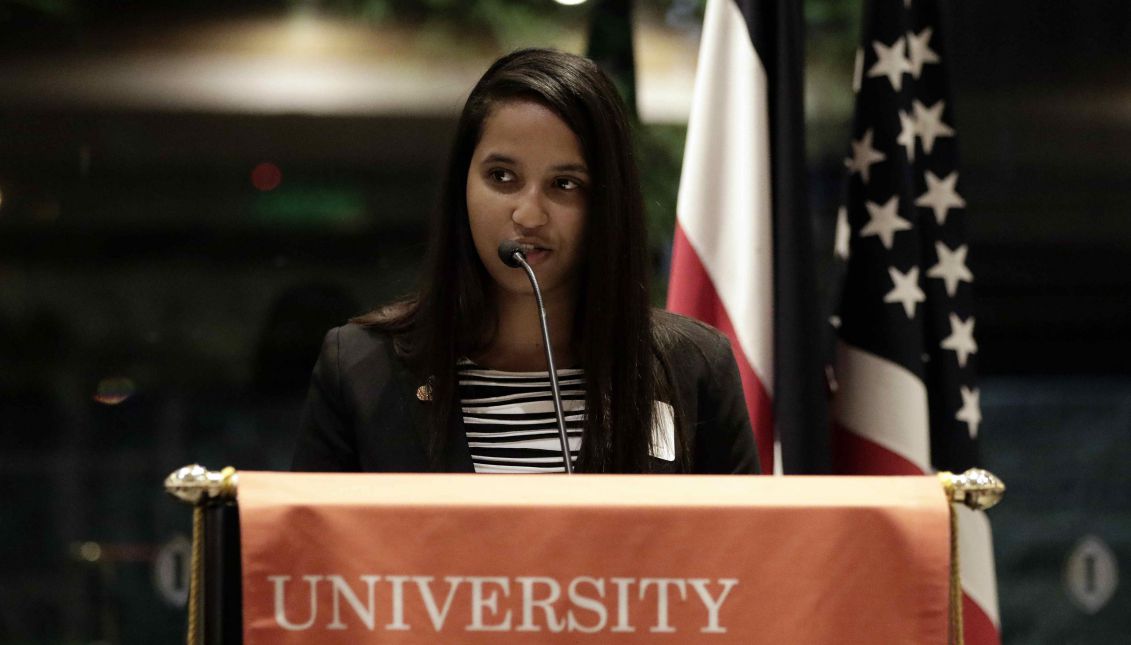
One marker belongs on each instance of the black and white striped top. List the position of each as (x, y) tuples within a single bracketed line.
[(510, 420)]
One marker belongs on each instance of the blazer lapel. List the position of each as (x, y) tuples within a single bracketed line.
[(457, 454)]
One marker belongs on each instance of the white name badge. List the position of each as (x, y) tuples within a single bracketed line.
[(663, 432)]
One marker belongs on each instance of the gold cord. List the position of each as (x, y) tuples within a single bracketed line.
[(956, 635), (196, 574), (199, 486)]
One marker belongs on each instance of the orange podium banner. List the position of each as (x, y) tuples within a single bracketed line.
[(346, 558)]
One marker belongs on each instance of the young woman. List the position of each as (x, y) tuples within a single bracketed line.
[(454, 377)]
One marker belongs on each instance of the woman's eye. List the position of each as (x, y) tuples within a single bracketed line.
[(501, 175), (568, 183)]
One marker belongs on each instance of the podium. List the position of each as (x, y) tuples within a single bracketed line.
[(414, 558)]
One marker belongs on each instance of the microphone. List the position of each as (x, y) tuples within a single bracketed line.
[(512, 255), (508, 251)]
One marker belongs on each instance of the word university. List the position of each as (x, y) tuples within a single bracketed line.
[(584, 604)]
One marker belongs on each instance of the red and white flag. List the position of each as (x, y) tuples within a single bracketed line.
[(741, 258)]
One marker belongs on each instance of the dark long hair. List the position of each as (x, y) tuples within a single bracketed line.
[(452, 316)]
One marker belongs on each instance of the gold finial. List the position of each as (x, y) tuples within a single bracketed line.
[(979, 489), (195, 484)]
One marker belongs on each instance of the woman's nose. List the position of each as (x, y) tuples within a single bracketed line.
[(530, 210)]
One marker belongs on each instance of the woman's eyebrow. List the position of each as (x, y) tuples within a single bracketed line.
[(496, 157)]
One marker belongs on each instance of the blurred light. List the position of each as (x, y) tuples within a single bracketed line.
[(569, 2), (318, 206), (112, 391), (312, 63), (266, 176), (1, 198), (90, 551), (306, 34)]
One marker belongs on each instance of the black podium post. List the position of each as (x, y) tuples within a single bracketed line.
[(223, 606)]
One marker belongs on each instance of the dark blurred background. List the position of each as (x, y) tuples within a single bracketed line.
[(192, 193)]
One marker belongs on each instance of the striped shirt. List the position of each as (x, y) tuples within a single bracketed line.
[(510, 420)]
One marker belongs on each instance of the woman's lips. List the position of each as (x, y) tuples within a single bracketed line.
[(536, 256), (534, 253)]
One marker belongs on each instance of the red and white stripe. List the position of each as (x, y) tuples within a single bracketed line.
[(722, 256), (881, 412)]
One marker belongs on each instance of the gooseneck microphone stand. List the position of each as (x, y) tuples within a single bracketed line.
[(512, 255)]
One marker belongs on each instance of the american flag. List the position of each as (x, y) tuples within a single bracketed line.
[(906, 400)]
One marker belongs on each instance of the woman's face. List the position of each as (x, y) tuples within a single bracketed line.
[(528, 182)]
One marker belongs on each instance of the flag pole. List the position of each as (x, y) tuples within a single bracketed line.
[(979, 490), (196, 485)]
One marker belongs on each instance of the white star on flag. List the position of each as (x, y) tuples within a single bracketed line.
[(863, 156), (920, 52), (971, 411), (907, 131), (951, 267), (891, 61), (884, 221), (906, 291), (928, 122), (961, 339), (941, 195), (843, 233)]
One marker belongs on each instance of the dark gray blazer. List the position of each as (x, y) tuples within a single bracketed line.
[(363, 414)]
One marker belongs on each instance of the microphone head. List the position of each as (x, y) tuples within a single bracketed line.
[(507, 251)]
